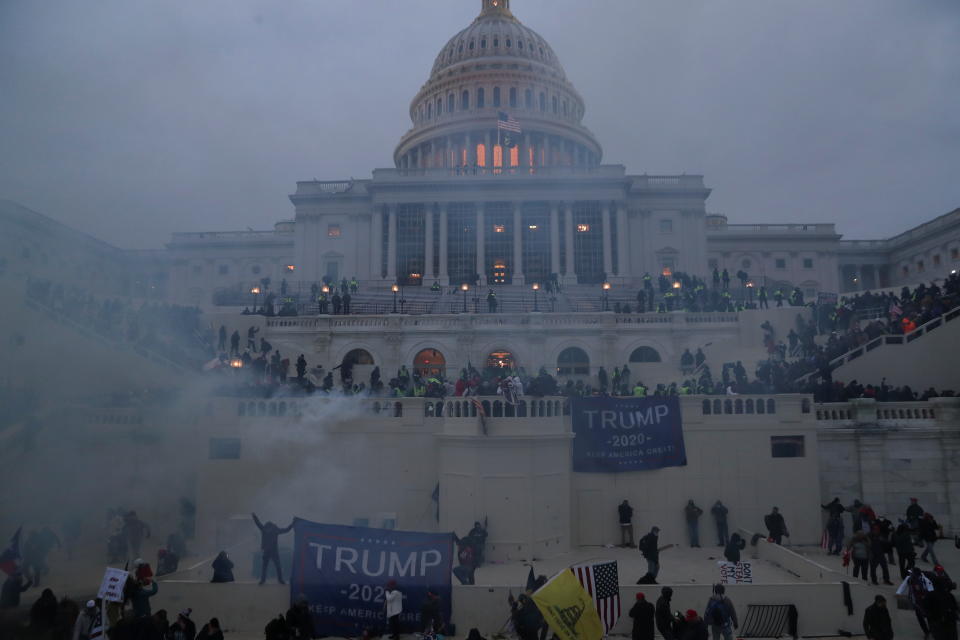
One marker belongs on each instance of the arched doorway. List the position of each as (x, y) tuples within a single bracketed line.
[(429, 362), (645, 354), (356, 366), (573, 361), (500, 359)]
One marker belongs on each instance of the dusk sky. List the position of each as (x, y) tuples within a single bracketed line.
[(131, 119)]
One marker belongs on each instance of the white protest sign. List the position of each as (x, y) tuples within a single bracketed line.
[(111, 589), (735, 572)]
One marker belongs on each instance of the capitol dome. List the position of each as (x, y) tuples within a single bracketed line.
[(497, 66)]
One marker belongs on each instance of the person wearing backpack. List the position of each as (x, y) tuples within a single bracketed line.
[(720, 614)]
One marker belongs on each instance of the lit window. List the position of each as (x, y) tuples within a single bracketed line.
[(808, 263), (780, 263), (533, 227), (333, 231), (583, 228), (498, 228), (787, 446), (666, 226)]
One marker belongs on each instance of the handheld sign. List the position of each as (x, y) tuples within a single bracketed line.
[(111, 588)]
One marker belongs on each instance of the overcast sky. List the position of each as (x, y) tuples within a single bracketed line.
[(131, 119)]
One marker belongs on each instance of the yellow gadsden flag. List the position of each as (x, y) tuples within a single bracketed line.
[(568, 608)]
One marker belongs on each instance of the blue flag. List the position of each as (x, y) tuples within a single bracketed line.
[(343, 572), (627, 434)]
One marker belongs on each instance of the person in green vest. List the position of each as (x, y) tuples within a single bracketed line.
[(639, 391)]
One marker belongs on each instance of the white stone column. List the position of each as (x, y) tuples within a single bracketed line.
[(392, 244), (555, 239), (570, 277), (623, 234), (518, 277), (481, 246), (444, 276), (376, 221), (428, 246), (607, 241)]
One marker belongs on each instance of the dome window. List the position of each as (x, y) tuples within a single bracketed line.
[(471, 45), (543, 101), (496, 96), (519, 44), (465, 100), (528, 99), (429, 111), (509, 43), (513, 96), (460, 48), (555, 104), (496, 42), (541, 52), (481, 98), (483, 43), (450, 103), (439, 106)]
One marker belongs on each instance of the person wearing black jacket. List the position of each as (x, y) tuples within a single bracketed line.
[(878, 555), (625, 512), (906, 554), (719, 512), (776, 526), (643, 614), (929, 534), (269, 547), (876, 620), (299, 621), (941, 610), (527, 619), (222, 568), (648, 546), (734, 547), (663, 615), (12, 588), (835, 512)]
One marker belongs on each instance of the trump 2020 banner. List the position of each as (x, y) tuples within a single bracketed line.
[(627, 434), (343, 572)]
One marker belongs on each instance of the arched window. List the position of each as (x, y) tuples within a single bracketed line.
[(543, 101), (497, 155), (429, 363), (358, 356), (564, 107), (645, 354), (500, 360), (528, 99), (439, 106), (519, 44), (483, 43), (496, 42), (450, 105), (480, 98), (471, 45), (481, 155), (429, 111), (513, 96), (496, 96), (573, 361), (555, 103), (465, 100), (509, 43)]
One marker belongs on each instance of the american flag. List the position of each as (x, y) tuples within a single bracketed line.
[(601, 581), (506, 122)]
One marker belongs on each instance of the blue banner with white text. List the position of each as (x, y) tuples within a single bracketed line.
[(627, 434), (343, 572)]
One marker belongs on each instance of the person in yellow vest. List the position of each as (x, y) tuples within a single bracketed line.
[(639, 391)]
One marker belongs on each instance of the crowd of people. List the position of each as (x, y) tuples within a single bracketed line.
[(172, 331)]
